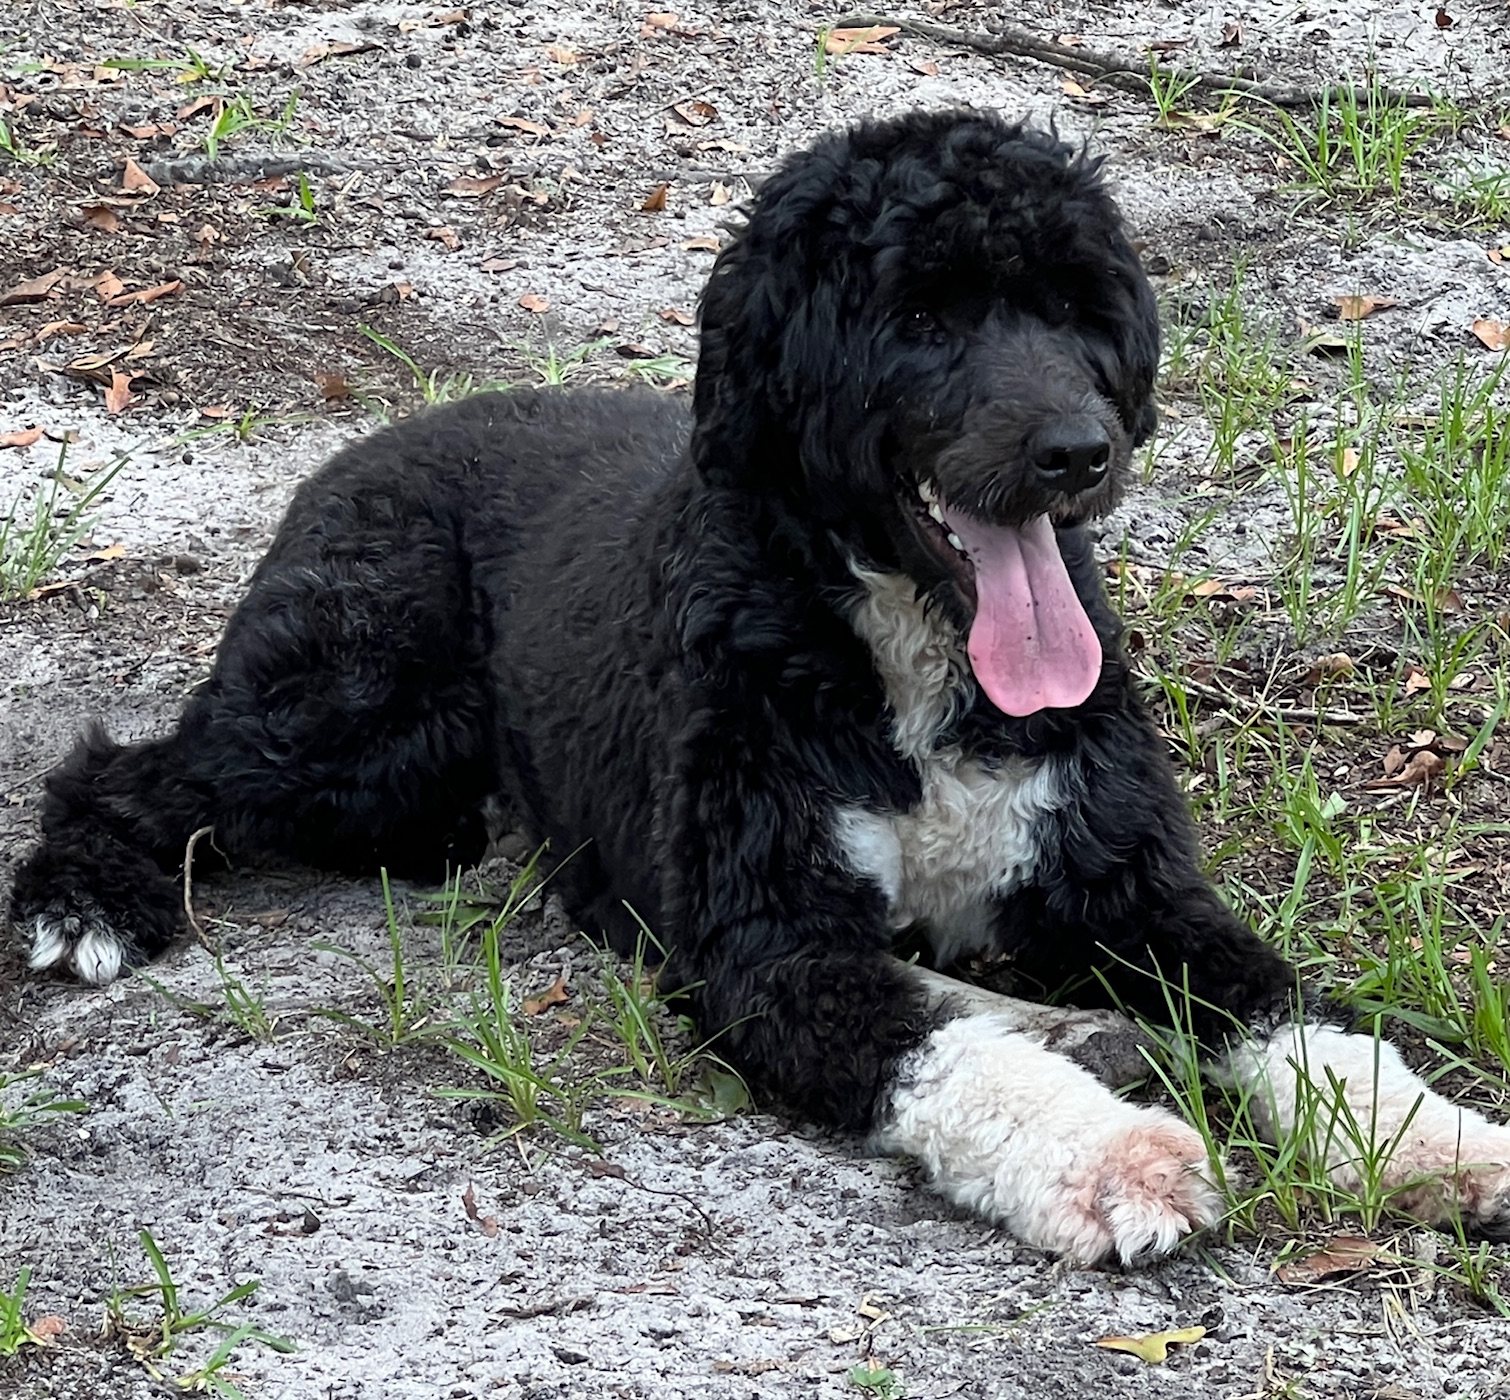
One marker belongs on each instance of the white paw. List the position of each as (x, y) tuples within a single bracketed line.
[(1136, 1197), (85, 944), (1026, 1137)]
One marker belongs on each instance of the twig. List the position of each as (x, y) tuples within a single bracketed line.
[(1114, 71), (189, 886), (1289, 713)]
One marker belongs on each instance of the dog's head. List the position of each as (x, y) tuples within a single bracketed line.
[(933, 340)]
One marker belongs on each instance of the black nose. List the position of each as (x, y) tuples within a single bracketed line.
[(1071, 454)]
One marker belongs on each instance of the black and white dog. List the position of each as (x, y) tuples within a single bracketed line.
[(819, 671)]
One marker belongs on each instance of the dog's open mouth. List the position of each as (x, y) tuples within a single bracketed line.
[(1031, 645)]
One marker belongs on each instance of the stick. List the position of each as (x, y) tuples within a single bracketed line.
[(189, 886), (1117, 72)]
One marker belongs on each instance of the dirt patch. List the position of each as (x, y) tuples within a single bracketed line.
[(316, 191)]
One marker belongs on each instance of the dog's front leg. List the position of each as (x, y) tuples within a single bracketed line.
[(1381, 1131), (1022, 1135)]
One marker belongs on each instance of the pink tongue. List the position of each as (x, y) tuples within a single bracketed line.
[(1032, 647)]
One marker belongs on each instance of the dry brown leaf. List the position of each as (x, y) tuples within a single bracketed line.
[(1076, 93), (332, 385), (135, 180), (488, 1224), (1346, 462), (870, 40), (473, 186), (656, 201), (33, 289), (1417, 771), (190, 109), (525, 125), (720, 193), (696, 113), (47, 1329), (1493, 335), (1342, 1254), (23, 437), (498, 264), (118, 395), (108, 285), (530, 301), (1334, 665), (1355, 308), (101, 218), (563, 54), (146, 294), (677, 316), (661, 20), (926, 66), (553, 995), (1153, 1347), (702, 244), (108, 555), (446, 236), (1232, 36), (7, 208)]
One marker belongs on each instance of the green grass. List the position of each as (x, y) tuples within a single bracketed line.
[(435, 386), (26, 1106), (17, 150), (34, 542), (1354, 146), (154, 1340), (187, 66), (14, 1333), (235, 116)]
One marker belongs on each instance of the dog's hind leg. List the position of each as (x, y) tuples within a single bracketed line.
[(97, 893), (346, 724)]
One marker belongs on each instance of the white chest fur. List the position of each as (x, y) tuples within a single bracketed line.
[(975, 833)]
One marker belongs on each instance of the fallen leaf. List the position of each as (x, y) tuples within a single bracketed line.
[(33, 289), (1355, 308), (107, 285), (146, 294), (677, 316), (332, 385), (1232, 36), (136, 180), (118, 395), (23, 437), (1417, 771), (532, 302), (1346, 462), (8, 209), (656, 201), (47, 1329), (109, 554), (102, 218), (698, 113), (553, 995), (1073, 90), (871, 40), (318, 53), (1342, 1254), (199, 104), (488, 1224), (1333, 666), (498, 264), (1415, 680), (473, 186), (1494, 335), (926, 66), (703, 244), (597, 1167), (445, 235), (1444, 20), (662, 20), (720, 194), (1153, 1347), (525, 125)]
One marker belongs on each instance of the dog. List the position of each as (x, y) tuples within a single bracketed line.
[(818, 673)]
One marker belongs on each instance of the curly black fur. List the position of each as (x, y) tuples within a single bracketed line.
[(636, 628)]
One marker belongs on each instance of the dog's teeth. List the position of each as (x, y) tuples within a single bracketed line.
[(936, 511), (958, 543)]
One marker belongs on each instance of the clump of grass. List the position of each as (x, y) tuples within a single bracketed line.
[(1355, 145), (152, 1342), (24, 1107), (435, 386), (31, 549)]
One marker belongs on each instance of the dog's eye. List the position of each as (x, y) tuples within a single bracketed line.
[(922, 324)]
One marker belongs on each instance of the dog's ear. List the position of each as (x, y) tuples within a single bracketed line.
[(768, 320)]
